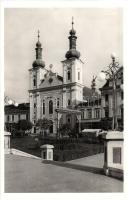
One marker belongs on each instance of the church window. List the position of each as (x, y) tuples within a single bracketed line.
[(69, 102), (106, 97), (78, 75), (34, 105), (58, 103), (43, 107), (50, 107), (68, 75), (34, 82), (69, 120)]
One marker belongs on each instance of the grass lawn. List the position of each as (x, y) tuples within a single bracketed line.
[(64, 152), (24, 144)]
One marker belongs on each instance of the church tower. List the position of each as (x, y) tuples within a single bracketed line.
[(72, 73), (36, 74)]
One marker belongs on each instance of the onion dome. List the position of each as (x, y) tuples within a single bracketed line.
[(72, 53), (72, 32), (38, 44), (38, 62)]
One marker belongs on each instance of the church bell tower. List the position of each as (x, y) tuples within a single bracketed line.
[(36, 74), (72, 73)]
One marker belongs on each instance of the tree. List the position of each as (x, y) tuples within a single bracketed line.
[(65, 130), (44, 124), (24, 125)]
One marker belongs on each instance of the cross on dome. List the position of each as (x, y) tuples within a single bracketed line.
[(72, 22), (38, 35)]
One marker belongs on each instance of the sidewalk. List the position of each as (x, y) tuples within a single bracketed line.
[(93, 161), (30, 175)]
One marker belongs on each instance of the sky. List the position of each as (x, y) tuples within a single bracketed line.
[(99, 32)]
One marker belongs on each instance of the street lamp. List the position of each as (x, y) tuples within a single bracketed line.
[(112, 75)]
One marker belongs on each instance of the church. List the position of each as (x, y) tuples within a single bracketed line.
[(53, 96)]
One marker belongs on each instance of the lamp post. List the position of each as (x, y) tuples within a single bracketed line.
[(112, 75)]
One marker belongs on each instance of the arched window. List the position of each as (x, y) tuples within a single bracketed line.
[(43, 107), (69, 102), (50, 107), (34, 82), (68, 75), (58, 103)]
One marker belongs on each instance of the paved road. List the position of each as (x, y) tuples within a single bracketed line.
[(30, 175)]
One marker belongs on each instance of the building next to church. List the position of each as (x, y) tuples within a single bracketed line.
[(107, 102), (13, 114)]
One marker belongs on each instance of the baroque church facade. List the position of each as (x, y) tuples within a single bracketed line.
[(53, 96)]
